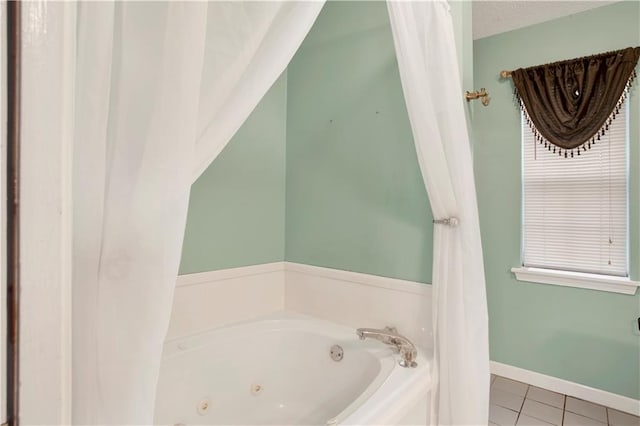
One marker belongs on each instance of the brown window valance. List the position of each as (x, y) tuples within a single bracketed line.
[(570, 104)]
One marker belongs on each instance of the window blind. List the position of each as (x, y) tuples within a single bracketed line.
[(575, 209)]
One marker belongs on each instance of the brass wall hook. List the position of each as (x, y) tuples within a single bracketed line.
[(479, 94)]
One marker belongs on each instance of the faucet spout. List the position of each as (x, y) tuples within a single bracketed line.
[(390, 336)]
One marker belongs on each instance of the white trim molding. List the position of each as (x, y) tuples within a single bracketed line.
[(598, 282), (360, 278), (598, 396), (228, 274), (46, 215)]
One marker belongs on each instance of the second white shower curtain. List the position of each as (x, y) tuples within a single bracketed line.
[(426, 51)]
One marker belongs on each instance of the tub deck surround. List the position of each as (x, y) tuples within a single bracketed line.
[(278, 370), (206, 300), (361, 300), (211, 299)]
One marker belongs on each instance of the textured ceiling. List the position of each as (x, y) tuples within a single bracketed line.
[(495, 17)]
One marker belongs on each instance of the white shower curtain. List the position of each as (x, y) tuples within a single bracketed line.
[(161, 87), (426, 51), (249, 45), (138, 74)]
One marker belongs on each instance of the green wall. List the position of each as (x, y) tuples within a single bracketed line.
[(462, 17), (336, 127), (236, 211), (354, 194), (579, 335), (355, 198)]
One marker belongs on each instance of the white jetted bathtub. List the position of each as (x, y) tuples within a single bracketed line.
[(280, 371)]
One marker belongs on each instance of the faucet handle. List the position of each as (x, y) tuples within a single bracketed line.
[(392, 341), (407, 364)]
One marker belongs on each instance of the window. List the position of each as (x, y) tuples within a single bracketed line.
[(575, 209)]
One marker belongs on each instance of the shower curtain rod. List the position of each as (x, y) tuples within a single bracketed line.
[(505, 74)]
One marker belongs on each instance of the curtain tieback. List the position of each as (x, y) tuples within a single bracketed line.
[(451, 221)]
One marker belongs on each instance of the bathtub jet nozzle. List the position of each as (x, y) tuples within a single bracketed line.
[(390, 336)]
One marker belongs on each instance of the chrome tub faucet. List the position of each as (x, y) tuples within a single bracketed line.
[(389, 336)]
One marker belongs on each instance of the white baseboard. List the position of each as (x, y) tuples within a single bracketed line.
[(598, 396)]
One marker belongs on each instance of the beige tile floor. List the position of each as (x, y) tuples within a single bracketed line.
[(516, 403)]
